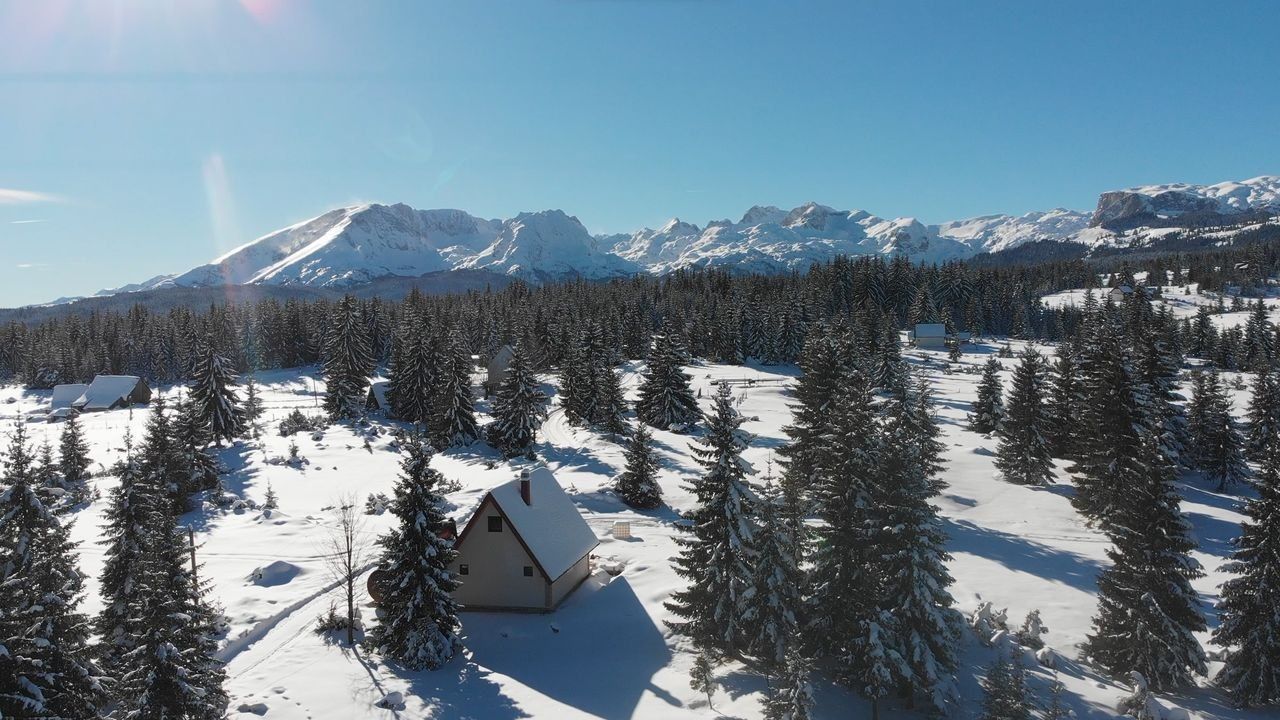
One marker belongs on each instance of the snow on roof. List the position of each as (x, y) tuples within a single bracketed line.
[(65, 395), (550, 524), (107, 390), (379, 390), (502, 357), (931, 330)]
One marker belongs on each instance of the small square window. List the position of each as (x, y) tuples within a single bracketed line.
[(464, 569), (495, 523), (528, 571)]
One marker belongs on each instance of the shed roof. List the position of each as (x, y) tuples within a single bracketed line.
[(549, 525), (65, 395), (107, 390), (931, 330), (378, 389)]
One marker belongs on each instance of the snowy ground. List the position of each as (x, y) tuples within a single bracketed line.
[(606, 652), (1183, 300)]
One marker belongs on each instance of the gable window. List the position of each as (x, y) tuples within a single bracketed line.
[(528, 571), (464, 569), (495, 523)]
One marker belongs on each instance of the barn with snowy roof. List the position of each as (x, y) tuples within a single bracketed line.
[(66, 395), (108, 392), (526, 547)]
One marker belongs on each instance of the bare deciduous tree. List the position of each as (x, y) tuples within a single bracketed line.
[(346, 550)]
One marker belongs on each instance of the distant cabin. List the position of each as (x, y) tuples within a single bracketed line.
[(377, 398), (108, 392), (930, 335), (1119, 293), (64, 396), (525, 549), (499, 366)]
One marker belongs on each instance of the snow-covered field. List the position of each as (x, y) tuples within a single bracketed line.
[(606, 652), (1183, 300)]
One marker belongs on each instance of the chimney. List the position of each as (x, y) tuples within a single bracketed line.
[(524, 488)]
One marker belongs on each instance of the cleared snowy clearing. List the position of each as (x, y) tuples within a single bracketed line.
[(605, 652)]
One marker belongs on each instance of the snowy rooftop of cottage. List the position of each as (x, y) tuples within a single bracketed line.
[(64, 395), (549, 524), (106, 390), (931, 330), (379, 390)]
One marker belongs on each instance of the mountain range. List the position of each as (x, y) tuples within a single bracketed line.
[(354, 246)]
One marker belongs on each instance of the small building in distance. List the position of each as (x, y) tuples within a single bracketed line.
[(377, 398), (525, 549), (1118, 293), (499, 366), (108, 392), (65, 396), (932, 336)]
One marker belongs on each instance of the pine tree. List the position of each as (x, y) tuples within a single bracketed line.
[(190, 468), (1005, 692), (270, 501), (172, 671), (847, 621), (418, 617), (791, 693), (518, 410), (1147, 609), (824, 364), (1023, 452), (989, 407), (638, 483), (1263, 414), (702, 676), (130, 511), (665, 397), (73, 458), (610, 404), (926, 629), (1057, 709), (776, 602), (411, 385), (347, 362), (1249, 627), (1218, 446), (455, 420), (717, 550), (45, 670), (213, 396)]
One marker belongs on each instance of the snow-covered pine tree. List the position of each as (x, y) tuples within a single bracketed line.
[(518, 409), (791, 691), (1199, 414), (347, 362), (888, 357), (126, 536), (847, 624), (1023, 451), (1057, 708), (823, 363), (1004, 692), (926, 629), (455, 419), (213, 396), (45, 668), (1219, 448), (172, 670), (418, 617), (610, 407), (776, 603), (577, 380), (270, 501), (1147, 609), (1249, 626), (1263, 414), (717, 548), (45, 475), (73, 456), (665, 397), (1258, 352), (638, 483), (988, 408), (192, 469), (1112, 415), (411, 382), (253, 406)]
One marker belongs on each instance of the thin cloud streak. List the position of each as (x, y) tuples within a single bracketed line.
[(9, 196), (25, 222)]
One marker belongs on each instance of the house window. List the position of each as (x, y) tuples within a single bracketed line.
[(464, 569), (495, 523), (528, 571)]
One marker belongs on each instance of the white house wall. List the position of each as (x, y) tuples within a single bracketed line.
[(496, 562)]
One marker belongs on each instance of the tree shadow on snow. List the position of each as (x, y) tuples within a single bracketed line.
[(1023, 555), (468, 694), (598, 652)]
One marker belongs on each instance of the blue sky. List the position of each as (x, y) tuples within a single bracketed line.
[(146, 136)]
